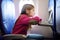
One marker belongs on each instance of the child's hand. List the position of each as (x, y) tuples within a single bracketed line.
[(33, 22)]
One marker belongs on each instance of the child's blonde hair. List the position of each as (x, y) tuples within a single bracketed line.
[(28, 7)]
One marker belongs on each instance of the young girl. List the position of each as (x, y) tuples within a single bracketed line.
[(25, 20)]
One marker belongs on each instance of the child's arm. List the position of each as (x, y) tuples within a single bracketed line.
[(32, 21), (35, 20)]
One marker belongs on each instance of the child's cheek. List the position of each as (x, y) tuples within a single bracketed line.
[(31, 14)]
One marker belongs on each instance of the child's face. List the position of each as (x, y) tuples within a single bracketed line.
[(30, 12)]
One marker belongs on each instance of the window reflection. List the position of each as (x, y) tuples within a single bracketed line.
[(51, 11)]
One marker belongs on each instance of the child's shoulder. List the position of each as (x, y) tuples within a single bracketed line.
[(23, 15)]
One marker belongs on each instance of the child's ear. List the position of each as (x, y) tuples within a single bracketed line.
[(27, 11)]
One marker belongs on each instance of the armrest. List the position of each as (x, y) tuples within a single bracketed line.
[(47, 25), (14, 36)]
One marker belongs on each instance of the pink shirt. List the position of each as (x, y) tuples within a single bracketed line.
[(22, 24)]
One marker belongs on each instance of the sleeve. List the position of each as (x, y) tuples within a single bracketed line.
[(37, 19), (24, 20)]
